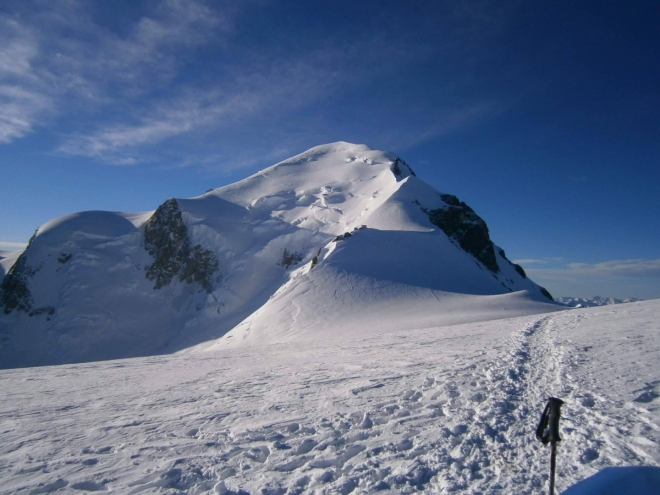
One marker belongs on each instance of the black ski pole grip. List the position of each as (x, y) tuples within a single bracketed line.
[(548, 428), (553, 419)]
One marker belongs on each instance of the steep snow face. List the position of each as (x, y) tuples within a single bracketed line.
[(329, 189), (340, 230), (380, 281)]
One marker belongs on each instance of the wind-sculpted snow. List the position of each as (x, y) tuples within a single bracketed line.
[(435, 410)]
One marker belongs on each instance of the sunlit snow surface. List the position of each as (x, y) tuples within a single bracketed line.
[(440, 410)]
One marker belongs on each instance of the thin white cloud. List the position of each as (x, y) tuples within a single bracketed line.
[(167, 119), (17, 49), (136, 62), (12, 246), (19, 111), (635, 268), (616, 278), (619, 268), (21, 100), (538, 261), (55, 59), (127, 90), (260, 89)]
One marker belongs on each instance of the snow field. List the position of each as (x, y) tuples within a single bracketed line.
[(434, 410)]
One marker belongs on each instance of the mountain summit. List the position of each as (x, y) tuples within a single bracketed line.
[(339, 239)]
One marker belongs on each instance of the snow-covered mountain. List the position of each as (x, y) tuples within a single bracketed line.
[(339, 239), (590, 302)]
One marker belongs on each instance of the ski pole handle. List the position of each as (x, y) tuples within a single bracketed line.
[(548, 429), (553, 419), (548, 432)]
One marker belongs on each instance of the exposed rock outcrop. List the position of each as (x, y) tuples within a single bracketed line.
[(399, 169), (199, 267), (464, 226), (14, 290), (64, 257), (166, 239), (290, 258)]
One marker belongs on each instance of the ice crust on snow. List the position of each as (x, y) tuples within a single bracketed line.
[(448, 409), (96, 289)]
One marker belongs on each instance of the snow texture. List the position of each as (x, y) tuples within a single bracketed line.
[(341, 238), (448, 409)]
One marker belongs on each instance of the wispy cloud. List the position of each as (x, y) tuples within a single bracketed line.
[(136, 61), (619, 268), (165, 120), (538, 261), (21, 98), (12, 246), (55, 59), (608, 269), (124, 87), (616, 278), (263, 88)]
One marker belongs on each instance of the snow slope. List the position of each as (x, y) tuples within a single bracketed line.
[(433, 410), (102, 285), (350, 294)]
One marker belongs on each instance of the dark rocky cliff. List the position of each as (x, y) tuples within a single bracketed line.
[(14, 290), (468, 229), (166, 239)]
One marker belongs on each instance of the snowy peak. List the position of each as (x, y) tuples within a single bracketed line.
[(319, 181), (304, 233)]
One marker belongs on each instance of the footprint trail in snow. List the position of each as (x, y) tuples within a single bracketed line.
[(442, 410)]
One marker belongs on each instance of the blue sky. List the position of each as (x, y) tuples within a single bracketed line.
[(543, 116)]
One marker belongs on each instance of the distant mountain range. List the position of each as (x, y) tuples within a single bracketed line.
[(341, 239), (589, 302)]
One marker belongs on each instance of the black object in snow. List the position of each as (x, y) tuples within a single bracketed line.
[(548, 432)]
